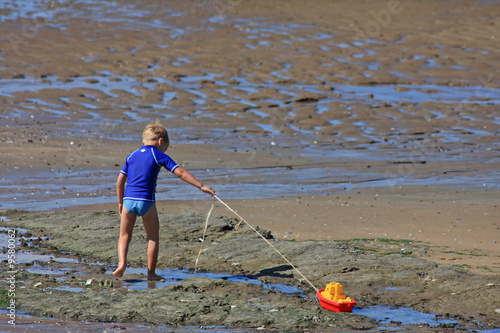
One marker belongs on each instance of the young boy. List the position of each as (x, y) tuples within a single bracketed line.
[(138, 198)]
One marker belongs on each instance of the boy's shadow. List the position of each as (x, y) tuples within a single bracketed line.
[(274, 272)]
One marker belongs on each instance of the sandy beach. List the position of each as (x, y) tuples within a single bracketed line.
[(370, 123)]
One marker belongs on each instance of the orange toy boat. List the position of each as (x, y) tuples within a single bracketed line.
[(332, 298)]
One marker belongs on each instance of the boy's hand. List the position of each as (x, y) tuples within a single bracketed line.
[(207, 190), (189, 178)]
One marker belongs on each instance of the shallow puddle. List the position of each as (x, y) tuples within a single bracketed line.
[(175, 276), (401, 316), (134, 279), (389, 315)]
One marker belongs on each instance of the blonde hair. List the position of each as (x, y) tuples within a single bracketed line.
[(154, 132)]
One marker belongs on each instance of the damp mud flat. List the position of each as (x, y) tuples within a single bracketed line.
[(79, 285)]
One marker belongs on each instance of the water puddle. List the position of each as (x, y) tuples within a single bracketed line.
[(175, 276), (389, 315), (106, 83), (401, 316), (66, 189), (31, 257), (56, 14), (28, 256), (420, 93), (262, 28), (68, 288), (39, 268), (87, 187), (79, 188), (135, 278), (36, 10)]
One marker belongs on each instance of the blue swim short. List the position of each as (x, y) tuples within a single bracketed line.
[(137, 207)]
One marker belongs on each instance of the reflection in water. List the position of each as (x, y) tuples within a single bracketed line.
[(135, 279)]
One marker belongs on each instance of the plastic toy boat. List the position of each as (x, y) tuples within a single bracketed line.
[(332, 298)]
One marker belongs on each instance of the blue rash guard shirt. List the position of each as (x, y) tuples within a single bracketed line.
[(142, 168)]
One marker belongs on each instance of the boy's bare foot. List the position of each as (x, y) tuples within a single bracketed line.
[(154, 277), (119, 272)]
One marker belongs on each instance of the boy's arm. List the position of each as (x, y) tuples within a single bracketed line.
[(120, 190), (189, 178)]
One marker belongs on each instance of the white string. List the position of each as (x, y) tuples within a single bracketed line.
[(203, 238), (243, 220)]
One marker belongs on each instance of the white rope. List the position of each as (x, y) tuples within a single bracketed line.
[(243, 220), (203, 238)]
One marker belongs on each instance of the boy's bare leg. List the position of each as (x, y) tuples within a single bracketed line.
[(126, 228), (152, 226)]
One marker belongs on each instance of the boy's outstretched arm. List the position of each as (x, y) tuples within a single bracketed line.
[(120, 190), (189, 178)]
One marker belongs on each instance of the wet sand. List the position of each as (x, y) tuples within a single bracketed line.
[(317, 121), (77, 284)]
